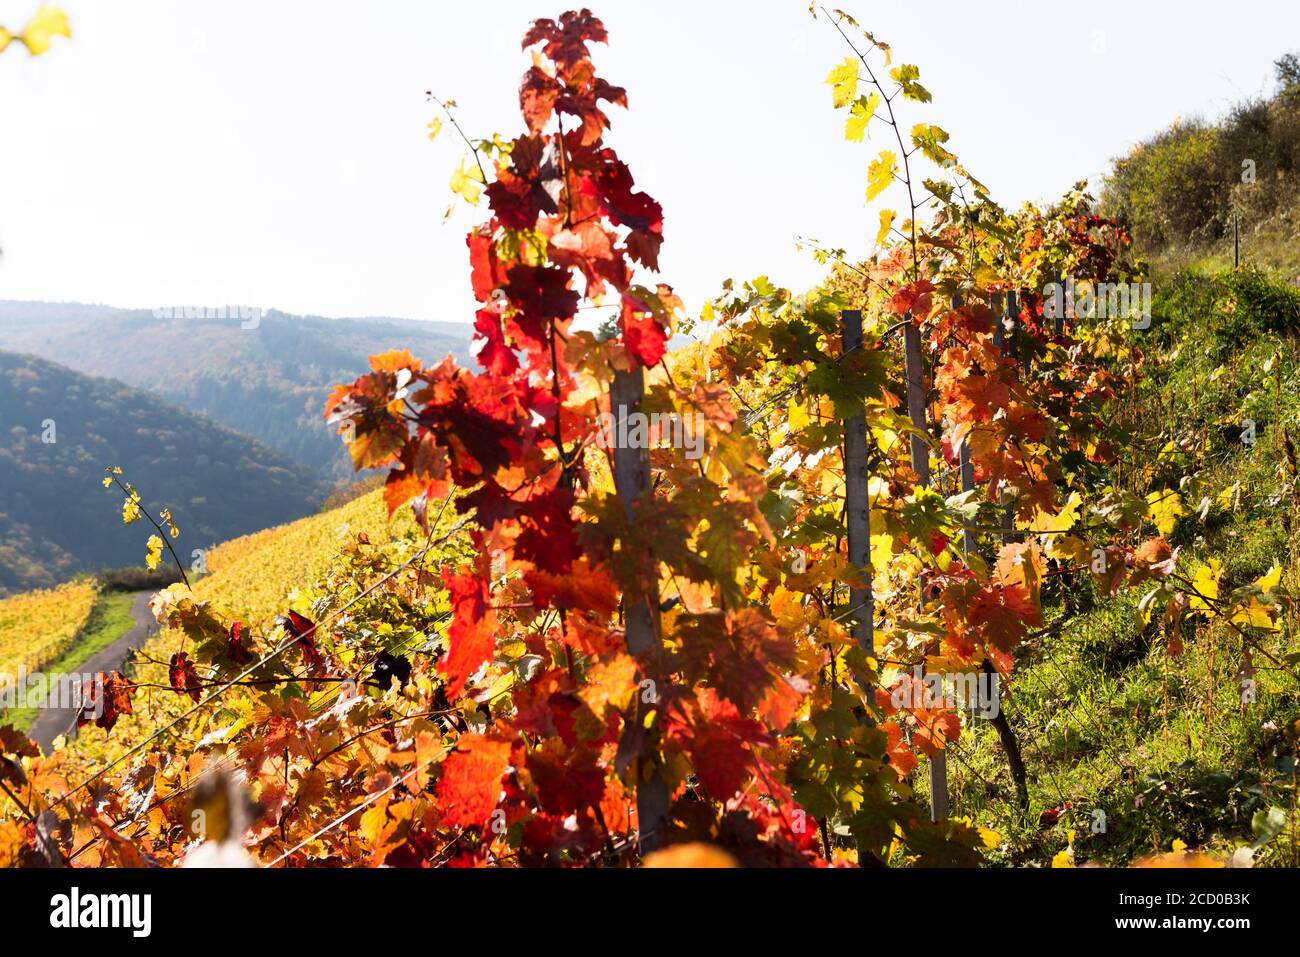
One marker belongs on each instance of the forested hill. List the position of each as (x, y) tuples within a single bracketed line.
[(269, 381), (59, 429)]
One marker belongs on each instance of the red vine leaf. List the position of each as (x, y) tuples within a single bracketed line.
[(470, 786), (182, 676)]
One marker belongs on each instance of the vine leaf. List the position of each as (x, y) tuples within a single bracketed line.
[(182, 676), (843, 81), (470, 785), (880, 173), (906, 76), (860, 114)]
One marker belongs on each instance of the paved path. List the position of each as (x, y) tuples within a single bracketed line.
[(52, 722)]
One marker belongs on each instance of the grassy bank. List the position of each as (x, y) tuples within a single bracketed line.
[(1136, 735)]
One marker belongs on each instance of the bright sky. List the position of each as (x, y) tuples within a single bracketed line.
[(275, 153)]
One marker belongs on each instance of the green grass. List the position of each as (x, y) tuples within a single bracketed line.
[(109, 620), (1272, 243), (1108, 716)]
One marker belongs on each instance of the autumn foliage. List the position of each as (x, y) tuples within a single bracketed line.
[(474, 690)]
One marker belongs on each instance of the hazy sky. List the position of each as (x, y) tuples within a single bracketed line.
[(274, 153)]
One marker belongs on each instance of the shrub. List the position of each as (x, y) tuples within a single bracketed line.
[(139, 579)]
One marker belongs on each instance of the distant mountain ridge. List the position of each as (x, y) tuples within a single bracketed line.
[(269, 381), (59, 429)]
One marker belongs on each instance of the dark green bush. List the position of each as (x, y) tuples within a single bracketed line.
[(1264, 301), (139, 579), (1233, 307)]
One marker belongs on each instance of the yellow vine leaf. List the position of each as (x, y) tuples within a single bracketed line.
[(1065, 858), (906, 76), (1255, 614), (929, 139), (787, 607), (1165, 508), (880, 173), (1064, 520), (1206, 585), (1269, 581), (45, 25), (153, 553), (466, 182), (373, 822), (864, 107), (1227, 499), (843, 81), (886, 224), (797, 416)]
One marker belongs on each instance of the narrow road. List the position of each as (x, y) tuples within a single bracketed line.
[(52, 722)]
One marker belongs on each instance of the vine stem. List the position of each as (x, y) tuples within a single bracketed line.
[(18, 801), (898, 135), (468, 142), (166, 538)]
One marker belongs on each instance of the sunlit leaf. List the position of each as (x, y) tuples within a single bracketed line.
[(843, 81), (880, 173), (860, 114), (906, 76), (44, 26)]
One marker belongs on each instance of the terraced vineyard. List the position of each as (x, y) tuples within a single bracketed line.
[(251, 575), (38, 626), (253, 578)]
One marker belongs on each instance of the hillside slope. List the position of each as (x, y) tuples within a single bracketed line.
[(257, 576), (269, 382), (251, 575), (60, 429), (1136, 735), (39, 625), (1196, 190)]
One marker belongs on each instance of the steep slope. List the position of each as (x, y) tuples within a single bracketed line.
[(60, 429), (1204, 192), (253, 578), (1137, 734), (251, 575), (269, 382)]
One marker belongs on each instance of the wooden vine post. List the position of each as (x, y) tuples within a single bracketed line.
[(967, 473), (914, 370), (857, 506), (641, 616)]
